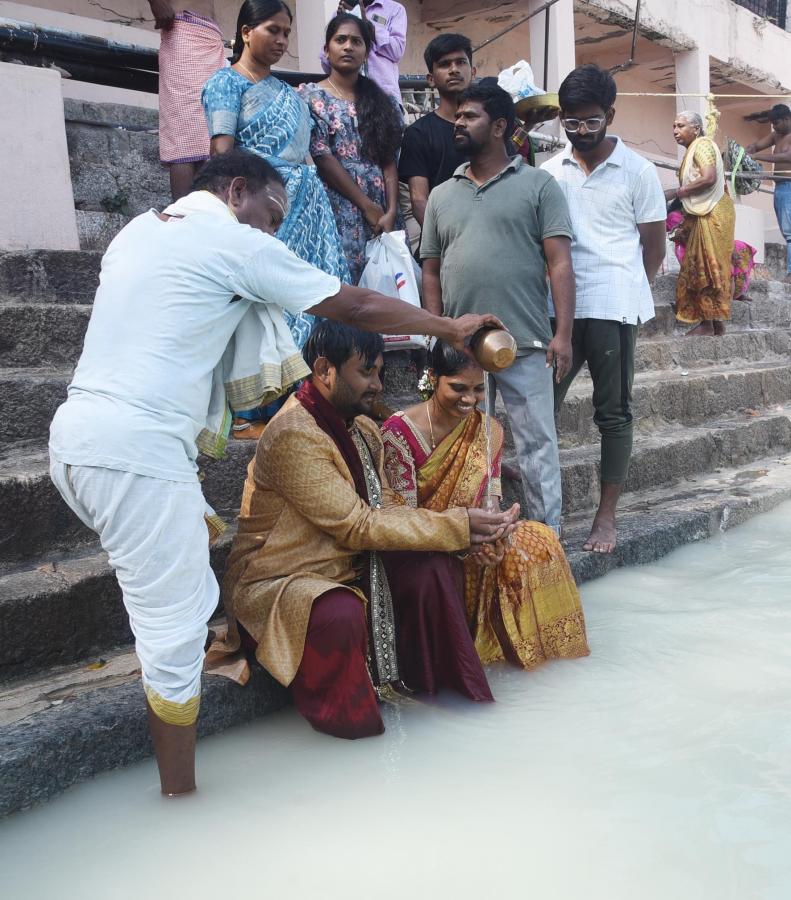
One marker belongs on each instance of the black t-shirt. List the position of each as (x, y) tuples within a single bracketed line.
[(427, 150)]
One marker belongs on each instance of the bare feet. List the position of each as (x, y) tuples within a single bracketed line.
[(719, 328), (602, 538), (705, 328)]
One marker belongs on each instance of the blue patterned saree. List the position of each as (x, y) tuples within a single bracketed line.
[(272, 120)]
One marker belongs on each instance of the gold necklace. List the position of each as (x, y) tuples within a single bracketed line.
[(245, 69), (339, 92), (431, 427)]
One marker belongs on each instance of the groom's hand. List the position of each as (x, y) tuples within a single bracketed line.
[(486, 527)]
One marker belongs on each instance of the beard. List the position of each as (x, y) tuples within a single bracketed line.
[(587, 142), (348, 403), (466, 145)]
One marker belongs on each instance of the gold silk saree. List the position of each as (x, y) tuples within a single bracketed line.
[(527, 608)]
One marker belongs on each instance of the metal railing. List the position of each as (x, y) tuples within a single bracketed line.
[(775, 11)]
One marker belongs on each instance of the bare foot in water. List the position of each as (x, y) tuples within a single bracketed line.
[(705, 329), (602, 538)]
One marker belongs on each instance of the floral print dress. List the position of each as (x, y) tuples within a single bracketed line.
[(335, 131)]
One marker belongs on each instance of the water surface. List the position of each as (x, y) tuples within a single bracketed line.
[(659, 767)]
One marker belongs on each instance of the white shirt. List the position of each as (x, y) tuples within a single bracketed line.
[(606, 207), (163, 316)]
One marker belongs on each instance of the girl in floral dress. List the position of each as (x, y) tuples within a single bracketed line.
[(355, 138)]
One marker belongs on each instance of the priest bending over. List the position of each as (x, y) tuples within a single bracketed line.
[(307, 577)]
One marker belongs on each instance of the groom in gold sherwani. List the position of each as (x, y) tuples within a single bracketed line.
[(307, 585)]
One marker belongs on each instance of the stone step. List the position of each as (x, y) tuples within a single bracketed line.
[(28, 400), (687, 397), (84, 725), (29, 397), (68, 276), (67, 607), (669, 454), (97, 229), (68, 724), (41, 334), (664, 451), (753, 345), (775, 260), (114, 158), (770, 309), (48, 525), (678, 396), (49, 276)]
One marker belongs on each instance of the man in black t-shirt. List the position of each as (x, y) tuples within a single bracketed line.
[(428, 154)]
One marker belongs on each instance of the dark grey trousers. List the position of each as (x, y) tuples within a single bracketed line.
[(608, 348)]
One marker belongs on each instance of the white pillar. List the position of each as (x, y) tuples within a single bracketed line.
[(36, 200), (692, 77), (562, 52), (311, 20)]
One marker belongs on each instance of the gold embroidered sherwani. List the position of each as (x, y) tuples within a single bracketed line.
[(301, 528)]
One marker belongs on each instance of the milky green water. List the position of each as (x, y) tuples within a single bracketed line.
[(659, 767)]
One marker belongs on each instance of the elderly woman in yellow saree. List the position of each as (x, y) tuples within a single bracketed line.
[(522, 603), (705, 287)]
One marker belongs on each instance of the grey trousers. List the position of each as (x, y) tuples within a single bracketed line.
[(526, 389)]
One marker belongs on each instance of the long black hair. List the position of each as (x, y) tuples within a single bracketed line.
[(379, 120), (252, 13)]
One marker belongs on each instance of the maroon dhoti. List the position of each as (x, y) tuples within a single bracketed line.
[(332, 688)]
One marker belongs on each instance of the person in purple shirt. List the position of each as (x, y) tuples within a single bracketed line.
[(389, 22)]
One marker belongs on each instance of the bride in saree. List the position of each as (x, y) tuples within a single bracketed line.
[(521, 600), (248, 107)]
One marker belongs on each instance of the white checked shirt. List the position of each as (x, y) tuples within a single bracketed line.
[(606, 207)]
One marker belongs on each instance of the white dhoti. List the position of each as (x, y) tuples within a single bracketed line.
[(158, 544)]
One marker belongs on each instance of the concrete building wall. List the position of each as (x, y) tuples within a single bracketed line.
[(683, 47), (759, 51)]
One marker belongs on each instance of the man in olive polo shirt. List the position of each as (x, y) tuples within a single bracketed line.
[(490, 233)]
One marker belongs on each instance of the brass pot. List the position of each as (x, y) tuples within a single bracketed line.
[(494, 349)]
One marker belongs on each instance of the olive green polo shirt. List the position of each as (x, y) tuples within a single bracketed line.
[(489, 241)]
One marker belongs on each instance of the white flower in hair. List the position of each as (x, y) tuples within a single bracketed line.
[(424, 386)]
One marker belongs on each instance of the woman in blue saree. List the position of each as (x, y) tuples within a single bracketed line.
[(247, 106)]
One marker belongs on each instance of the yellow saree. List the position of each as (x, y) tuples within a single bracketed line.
[(705, 287), (527, 608)]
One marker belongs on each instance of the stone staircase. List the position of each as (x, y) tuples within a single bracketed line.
[(712, 447), (115, 170)]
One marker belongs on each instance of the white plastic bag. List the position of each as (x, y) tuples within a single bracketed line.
[(672, 265), (391, 270), (518, 81)]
